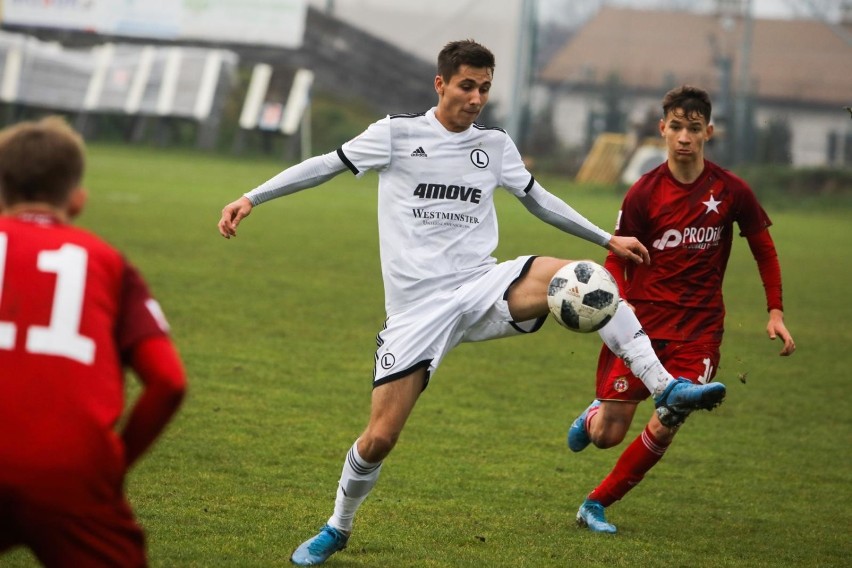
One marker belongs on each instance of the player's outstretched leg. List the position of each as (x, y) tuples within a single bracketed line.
[(591, 515), (682, 397), (578, 435), (316, 550)]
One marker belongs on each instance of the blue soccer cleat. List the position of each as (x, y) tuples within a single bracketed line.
[(578, 436), (316, 550), (681, 397), (591, 515)]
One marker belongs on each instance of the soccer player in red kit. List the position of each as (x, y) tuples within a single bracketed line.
[(684, 212), (73, 314)]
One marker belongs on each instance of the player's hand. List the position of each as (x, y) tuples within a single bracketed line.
[(776, 328), (629, 248), (232, 214)]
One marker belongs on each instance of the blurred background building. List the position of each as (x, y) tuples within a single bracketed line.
[(577, 84)]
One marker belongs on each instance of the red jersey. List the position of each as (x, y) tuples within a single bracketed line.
[(71, 307), (688, 230)]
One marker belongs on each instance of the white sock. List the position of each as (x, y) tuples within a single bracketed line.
[(625, 337), (356, 481)]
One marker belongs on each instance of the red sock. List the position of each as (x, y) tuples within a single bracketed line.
[(639, 457), (591, 414)]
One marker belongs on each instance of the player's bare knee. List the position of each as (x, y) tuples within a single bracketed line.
[(527, 296), (375, 446), (608, 431), (607, 438), (548, 266)]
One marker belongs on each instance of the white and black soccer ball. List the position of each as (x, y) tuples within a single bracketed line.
[(582, 296)]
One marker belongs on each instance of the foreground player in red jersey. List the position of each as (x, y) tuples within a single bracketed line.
[(684, 213), (73, 314)]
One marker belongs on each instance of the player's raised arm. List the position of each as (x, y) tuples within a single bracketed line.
[(310, 173), (554, 211)]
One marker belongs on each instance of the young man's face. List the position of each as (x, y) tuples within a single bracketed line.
[(461, 99), (685, 136)]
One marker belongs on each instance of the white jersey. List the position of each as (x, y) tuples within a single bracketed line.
[(437, 223)]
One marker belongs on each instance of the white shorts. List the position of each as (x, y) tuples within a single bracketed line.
[(478, 310)]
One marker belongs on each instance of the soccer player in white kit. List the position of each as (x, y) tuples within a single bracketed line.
[(438, 171)]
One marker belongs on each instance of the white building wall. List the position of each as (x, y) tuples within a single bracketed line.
[(571, 114), (570, 117), (810, 128)]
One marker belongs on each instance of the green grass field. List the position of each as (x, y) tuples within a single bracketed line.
[(277, 330)]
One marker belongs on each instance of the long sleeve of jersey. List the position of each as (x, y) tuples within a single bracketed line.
[(310, 173), (159, 369), (556, 212), (616, 266), (763, 249)]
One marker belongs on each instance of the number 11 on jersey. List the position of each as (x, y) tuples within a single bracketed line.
[(61, 336)]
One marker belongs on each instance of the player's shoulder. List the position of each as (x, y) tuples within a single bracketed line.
[(491, 135), (404, 122), (90, 238), (95, 245), (729, 178), (43, 232), (485, 128), (406, 115), (45, 226)]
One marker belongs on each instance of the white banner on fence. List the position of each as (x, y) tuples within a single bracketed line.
[(169, 80), (268, 22)]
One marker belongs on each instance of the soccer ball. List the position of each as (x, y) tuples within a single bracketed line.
[(582, 296)]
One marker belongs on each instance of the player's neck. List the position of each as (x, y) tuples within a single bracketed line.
[(686, 172), (36, 208)]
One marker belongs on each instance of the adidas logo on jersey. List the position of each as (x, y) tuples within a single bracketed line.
[(419, 153)]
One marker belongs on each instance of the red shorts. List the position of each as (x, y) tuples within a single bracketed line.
[(696, 362), (104, 535), (65, 502)]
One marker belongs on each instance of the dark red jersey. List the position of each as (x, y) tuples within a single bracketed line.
[(688, 230), (71, 309)]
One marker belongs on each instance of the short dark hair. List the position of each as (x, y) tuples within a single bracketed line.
[(40, 161), (694, 102), (463, 52)]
